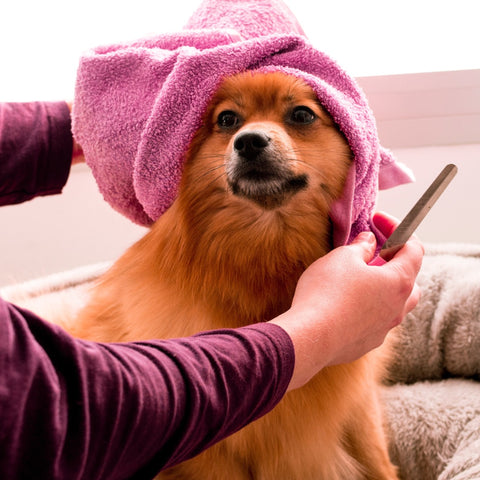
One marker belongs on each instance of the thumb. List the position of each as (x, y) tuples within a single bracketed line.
[(368, 244)]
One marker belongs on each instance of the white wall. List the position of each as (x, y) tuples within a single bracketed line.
[(456, 215), (41, 41), (54, 233)]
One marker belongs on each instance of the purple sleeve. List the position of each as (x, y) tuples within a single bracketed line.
[(35, 150), (76, 409)]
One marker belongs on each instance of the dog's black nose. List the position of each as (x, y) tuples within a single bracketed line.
[(250, 144)]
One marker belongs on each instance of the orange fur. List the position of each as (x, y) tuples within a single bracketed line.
[(227, 255)]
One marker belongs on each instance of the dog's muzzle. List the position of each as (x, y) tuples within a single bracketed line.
[(258, 169)]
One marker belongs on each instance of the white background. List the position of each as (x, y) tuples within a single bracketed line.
[(41, 41)]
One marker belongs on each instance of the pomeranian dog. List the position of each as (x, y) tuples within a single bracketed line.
[(252, 212)]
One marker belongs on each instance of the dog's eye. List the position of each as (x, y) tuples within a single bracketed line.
[(228, 119), (302, 115)]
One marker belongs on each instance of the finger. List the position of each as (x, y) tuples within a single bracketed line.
[(367, 243), (413, 299), (410, 304), (411, 254), (385, 223), (405, 266)]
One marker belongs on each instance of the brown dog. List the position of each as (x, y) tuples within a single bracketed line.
[(252, 213)]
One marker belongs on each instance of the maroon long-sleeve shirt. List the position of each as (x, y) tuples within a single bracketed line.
[(72, 409)]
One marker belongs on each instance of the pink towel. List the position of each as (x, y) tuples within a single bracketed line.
[(138, 105)]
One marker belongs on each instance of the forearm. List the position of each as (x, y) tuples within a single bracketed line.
[(36, 148), (75, 409)]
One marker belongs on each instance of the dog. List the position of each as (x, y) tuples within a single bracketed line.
[(251, 214)]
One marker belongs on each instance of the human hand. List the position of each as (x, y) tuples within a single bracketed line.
[(343, 307), (77, 152)]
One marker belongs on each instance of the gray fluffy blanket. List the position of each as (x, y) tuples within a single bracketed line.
[(433, 399)]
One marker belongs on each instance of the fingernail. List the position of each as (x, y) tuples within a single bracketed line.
[(367, 237)]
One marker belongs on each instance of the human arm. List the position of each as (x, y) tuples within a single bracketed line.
[(36, 150), (81, 410)]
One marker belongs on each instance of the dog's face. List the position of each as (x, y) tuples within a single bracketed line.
[(267, 145)]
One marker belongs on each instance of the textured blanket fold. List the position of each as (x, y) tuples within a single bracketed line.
[(435, 429), (441, 337), (433, 404), (138, 105)]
